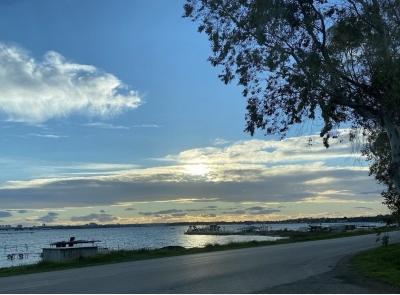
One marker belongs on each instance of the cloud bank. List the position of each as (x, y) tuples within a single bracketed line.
[(245, 171), (34, 91)]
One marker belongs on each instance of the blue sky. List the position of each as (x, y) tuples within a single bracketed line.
[(110, 113)]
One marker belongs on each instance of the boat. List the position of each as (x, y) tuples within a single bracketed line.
[(254, 229), (211, 229)]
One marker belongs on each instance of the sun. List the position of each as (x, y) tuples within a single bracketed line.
[(197, 169)]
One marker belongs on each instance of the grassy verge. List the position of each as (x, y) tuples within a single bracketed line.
[(141, 254), (382, 264)]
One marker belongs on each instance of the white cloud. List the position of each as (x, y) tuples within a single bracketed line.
[(147, 126), (220, 141), (34, 91), (47, 135), (272, 151), (105, 125)]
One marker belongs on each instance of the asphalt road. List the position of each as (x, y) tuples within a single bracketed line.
[(248, 270)]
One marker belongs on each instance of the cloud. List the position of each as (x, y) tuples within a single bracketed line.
[(54, 170), (168, 211), (95, 217), (130, 209), (173, 212), (34, 91), (236, 180), (374, 192), (212, 215), (362, 208), (292, 149), (220, 141), (231, 183), (20, 211), (255, 208), (197, 210), (178, 214), (5, 214), (238, 212), (50, 217), (105, 126), (265, 212), (47, 135), (102, 211), (147, 126)]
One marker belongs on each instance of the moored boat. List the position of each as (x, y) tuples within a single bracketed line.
[(211, 229)]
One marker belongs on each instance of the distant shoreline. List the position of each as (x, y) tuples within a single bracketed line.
[(366, 219)]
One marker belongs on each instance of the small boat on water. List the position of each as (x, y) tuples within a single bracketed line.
[(211, 229)]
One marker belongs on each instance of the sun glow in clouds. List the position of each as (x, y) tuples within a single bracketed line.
[(196, 170)]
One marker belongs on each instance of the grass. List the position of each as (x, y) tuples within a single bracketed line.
[(382, 264), (141, 254)]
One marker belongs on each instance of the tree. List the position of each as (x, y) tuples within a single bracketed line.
[(377, 151), (303, 59)]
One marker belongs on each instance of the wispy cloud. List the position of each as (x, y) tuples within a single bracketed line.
[(21, 211), (147, 126), (47, 135), (35, 91), (294, 149), (220, 141), (105, 125), (255, 208)]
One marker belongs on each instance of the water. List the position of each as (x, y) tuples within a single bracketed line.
[(30, 243)]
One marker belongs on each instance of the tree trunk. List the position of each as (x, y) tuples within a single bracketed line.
[(393, 132)]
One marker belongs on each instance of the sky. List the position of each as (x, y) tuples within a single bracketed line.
[(110, 113)]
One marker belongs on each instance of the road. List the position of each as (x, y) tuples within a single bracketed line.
[(235, 271)]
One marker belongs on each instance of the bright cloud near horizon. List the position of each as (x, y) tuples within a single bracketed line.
[(110, 113)]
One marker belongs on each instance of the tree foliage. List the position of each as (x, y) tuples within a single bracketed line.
[(377, 152), (301, 59)]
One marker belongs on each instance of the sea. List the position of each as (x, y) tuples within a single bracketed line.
[(26, 245)]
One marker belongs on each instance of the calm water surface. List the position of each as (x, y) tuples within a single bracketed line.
[(30, 243)]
